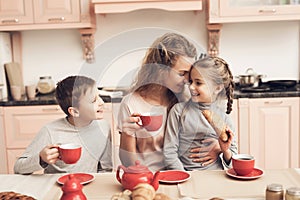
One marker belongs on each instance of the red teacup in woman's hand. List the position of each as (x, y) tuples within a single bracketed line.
[(151, 121), (69, 153), (243, 164)]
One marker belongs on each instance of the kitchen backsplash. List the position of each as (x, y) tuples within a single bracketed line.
[(271, 48)]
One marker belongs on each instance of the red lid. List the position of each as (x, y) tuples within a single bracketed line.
[(72, 184), (137, 168)]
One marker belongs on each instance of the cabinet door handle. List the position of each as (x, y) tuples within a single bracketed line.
[(50, 109), (10, 21), (273, 102), (267, 11), (56, 19)]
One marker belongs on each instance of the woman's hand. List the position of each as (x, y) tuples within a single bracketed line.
[(206, 154), (130, 125), (49, 154)]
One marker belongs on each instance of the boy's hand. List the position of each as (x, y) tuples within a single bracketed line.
[(50, 154)]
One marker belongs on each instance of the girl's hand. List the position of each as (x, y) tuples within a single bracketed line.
[(225, 145), (50, 154), (206, 154), (130, 125)]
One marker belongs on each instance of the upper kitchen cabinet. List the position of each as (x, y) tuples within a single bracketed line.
[(45, 14), (16, 12), (227, 11), (122, 6)]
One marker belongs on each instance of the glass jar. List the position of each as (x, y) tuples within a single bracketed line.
[(292, 193), (46, 85), (274, 191)]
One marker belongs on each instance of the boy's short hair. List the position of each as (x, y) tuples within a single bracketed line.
[(69, 91)]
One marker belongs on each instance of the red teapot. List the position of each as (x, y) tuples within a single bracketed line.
[(136, 174), (72, 189)]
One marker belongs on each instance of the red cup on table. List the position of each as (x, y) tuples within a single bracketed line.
[(243, 164), (69, 153)]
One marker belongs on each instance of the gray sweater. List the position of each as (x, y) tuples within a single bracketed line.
[(94, 139), (186, 128)]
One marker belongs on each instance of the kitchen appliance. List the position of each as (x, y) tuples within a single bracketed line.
[(250, 78), (273, 86)]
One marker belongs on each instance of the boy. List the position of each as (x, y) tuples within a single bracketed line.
[(78, 97)]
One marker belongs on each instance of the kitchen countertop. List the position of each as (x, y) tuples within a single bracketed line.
[(270, 94), (49, 99)]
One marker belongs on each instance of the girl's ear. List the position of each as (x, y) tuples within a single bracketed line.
[(219, 88), (74, 112)]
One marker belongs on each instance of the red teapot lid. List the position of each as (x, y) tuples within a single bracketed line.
[(72, 184), (137, 168)]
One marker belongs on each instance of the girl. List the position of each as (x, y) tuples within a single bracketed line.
[(211, 82)]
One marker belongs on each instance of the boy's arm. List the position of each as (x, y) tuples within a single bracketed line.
[(30, 161)]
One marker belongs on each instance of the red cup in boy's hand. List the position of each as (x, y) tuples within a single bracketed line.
[(69, 153)]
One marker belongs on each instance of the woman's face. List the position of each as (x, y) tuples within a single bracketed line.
[(201, 89), (178, 75)]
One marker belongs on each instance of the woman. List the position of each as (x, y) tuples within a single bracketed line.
[(160, 83)]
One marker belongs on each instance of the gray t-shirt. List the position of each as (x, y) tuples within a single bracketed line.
[(186, 128), (95, 140)]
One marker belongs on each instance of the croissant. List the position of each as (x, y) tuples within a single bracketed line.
[(143, 191), (217, 123)]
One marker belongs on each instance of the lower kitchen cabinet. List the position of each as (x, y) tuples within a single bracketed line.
[(21, 124), (269, 130)]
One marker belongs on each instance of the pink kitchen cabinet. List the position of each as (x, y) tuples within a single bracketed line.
[(21, 123), (228, 11), (45, 14), (122, 6), (16, 12), (3, 166), (269, 130)]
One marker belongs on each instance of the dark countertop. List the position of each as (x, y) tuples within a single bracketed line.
[(48, 99), (295, 92)]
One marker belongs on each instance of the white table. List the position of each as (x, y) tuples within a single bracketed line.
[(201, 185)]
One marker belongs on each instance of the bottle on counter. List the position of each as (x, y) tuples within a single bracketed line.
[(292, 193), (45, 85), (274, 191)]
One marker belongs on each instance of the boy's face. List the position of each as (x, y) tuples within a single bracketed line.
[(90, 106)]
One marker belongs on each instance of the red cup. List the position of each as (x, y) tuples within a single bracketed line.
[(69, 153), (151, 121), (243, 164)]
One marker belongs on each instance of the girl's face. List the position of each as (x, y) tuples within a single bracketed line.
[(202, 90), (90, 106), (178, 75)]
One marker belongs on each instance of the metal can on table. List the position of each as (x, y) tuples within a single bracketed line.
[(274, 191), (292, 193)]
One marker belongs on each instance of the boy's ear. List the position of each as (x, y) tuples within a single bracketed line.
[(74, 112)]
